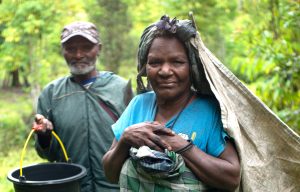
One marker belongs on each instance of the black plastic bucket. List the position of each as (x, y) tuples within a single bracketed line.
[(48, 177)]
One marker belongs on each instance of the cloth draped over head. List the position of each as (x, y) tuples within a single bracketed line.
[(268, 149)]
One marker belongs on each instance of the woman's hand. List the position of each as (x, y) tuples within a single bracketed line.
[(146, 133), (149, 134), (176, 141)]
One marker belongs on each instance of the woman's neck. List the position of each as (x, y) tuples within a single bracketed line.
[(166, 110)]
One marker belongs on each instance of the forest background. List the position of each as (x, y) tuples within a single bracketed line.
[(258, 40)]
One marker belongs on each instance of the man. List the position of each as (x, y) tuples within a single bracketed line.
[(80, 108)]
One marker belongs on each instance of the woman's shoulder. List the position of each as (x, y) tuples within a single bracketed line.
[(147, 96), (143, 99)]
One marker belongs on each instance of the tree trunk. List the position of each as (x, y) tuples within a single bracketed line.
[(274, 6), (240, 5), (15, 78)]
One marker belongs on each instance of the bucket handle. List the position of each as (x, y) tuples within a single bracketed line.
[(24, 149)]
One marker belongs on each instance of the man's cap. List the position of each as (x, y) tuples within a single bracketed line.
[(85, 29)]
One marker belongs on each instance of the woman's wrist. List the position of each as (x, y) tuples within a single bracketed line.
[(123, 144), (186, 147)]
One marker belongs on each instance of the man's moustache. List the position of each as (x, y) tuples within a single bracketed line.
[(76, 62)]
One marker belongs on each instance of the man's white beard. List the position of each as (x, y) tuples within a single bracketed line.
[(79, 70)]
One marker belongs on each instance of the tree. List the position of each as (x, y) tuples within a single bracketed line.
[(115, 25), (30, 48), (267, 56), (23, 32)]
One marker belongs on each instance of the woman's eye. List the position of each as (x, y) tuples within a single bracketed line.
[(153, 62), (178, 62)]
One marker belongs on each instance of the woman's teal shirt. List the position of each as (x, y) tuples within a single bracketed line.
[(199, 121)]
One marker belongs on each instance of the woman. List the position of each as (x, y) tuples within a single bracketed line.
[(175, 115)]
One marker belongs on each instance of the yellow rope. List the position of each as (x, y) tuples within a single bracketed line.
[(27, 140), (61, 145), (23, 151)]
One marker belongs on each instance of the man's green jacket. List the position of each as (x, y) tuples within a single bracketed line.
[(82, 124)]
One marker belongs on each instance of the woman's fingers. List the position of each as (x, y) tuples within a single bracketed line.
[(160, 143), (160, 129), (153, 145), (147, 133)]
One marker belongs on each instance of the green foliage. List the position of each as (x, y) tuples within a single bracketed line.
[(11, 161), (30, 32), (114, 26), (15, 122), (16, 114), (12, 129), (267, 56)]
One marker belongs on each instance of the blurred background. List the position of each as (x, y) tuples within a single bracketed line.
[(258, 40)]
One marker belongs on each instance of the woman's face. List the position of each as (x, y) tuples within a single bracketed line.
[(168, 69)]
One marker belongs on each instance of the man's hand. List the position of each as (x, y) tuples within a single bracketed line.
[(41, 125)]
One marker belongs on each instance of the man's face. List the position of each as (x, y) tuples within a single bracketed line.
[(80, 55)]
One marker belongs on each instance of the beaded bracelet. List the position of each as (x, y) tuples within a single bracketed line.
[(185, 148)]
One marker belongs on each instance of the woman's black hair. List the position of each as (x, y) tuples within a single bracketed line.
[(183, 30)]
